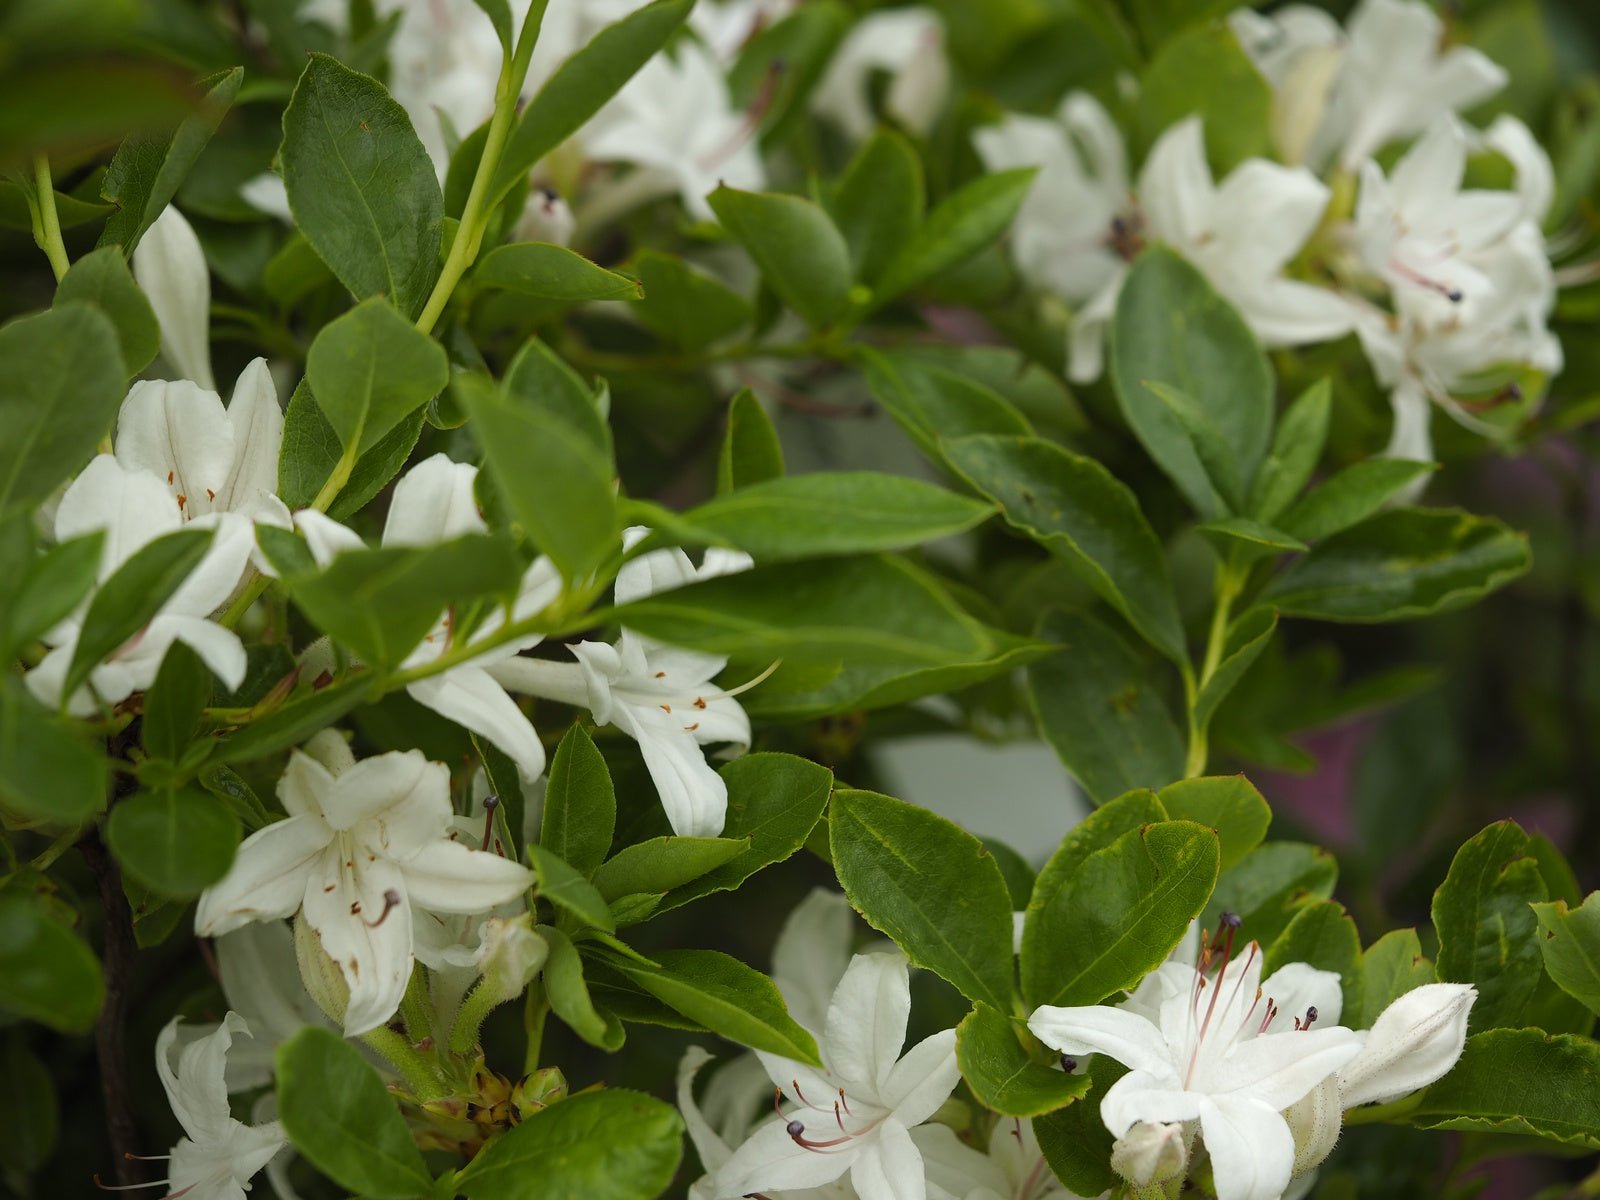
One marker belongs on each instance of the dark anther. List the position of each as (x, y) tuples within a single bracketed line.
[(795, 1128), (1068, 1063), (1231, 920)]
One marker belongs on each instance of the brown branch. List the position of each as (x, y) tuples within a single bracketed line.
[(112, 1025)]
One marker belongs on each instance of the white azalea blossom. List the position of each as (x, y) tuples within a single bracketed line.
[(432, 503), (218, 1155), (364, 843), (880, 1097), (659, 695), (1013, 1169), (1225, 1049), (905, 43), (261, 982), (170, 268)]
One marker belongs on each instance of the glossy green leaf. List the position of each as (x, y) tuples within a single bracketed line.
[(1520, 1081), (801, 253), (147, 170), (663, 863), (1267, 887), (1352, 495), (564, 887), (1075, 1141), (1296, 449), (49, 771), (311, 450), (173, 703), (751, 452), (1390, 967), (878, 204), (1095, 703), (958, 227), (101, 279), (1228, 804), (684, 305), (176, 843), (370, 369), (61, 382), (47, 973), (1402, 563), (363, 190), (1077, 509), (338, 1114), (46, 588), (724, 994), (552, 273), (1570, 941), (580, 804), (1001, 1073), (931, 887), (569, 997), (602, 1145), (1172, 328)]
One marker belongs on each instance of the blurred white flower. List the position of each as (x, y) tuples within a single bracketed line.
[(1013, 1169), (171, 270), (907, 44)]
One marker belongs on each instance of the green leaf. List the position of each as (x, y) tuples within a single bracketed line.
[(1078, 510), (1403, 563), (1205, 439), (1171, 327), (176, 843), (47, 973), (1228, 804), (751, 452), (564, 887), (604, 1145), (311, 450), (499, 14), (1001, 1073), (49, 771), (1296, 449), (878, 203), (1390, 967), (1520, 1081), (1321, 935), (581, 85), (61, 382), (173, 703), (1267, 887), (338, 1114), (549, 451), (569, 997), (101, 279), (30, 1118), (1570, 941), (382, 602), (293, 723), (1488, 933), (1246, 539), (147, 170), (1352, 495), (1204, 71), (580, 804), (800, 252), (1247, 637), (370, 369), (132, 595), (775, 801), (663, 863), (552, 273), (1075, 1141), (830, 513), (962, 224), (1095, 704), (363, 190), (931, 887), (932, 404), (1129, 905), (684, 305), (50, 586), (722, 993)]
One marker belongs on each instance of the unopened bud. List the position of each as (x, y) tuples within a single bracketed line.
[(1150, 1155), (546, 218), (1315, 1120), (512, 954), (323, 980)]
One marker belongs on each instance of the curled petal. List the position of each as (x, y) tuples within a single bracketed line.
[(471, 697)]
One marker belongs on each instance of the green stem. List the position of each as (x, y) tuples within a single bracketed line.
[(335, 482), (474, 217), (475, 1009), (55, 850), (241, 605), (410, 1064), (535, 1009), (48, 231), (1227, 584)]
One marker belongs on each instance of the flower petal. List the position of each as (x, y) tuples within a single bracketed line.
[(811, 954), (387, 787), (449, 877), (772, 1161), (433, 503), (268, 879), (470, 696), (179, 432), (1098, 1029), (220, 649), (348, 905), (1279, 1068), (1175, 185), (1296, 987), (889, 1166), (132, 508), (713, 1151), (326, 537), (195, 1088), (1252, 1150), (1414, 1041), (923, 1079), (257, 423), (1155, 1099), (171, 270), (867, 1022), (694, 796)]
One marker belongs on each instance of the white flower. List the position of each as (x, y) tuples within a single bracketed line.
[(659, 695), (726, 25), (132, 508), (855, 1114), (1013, 1169), (675, 122), (219, 1155), (905, 43), (1300, 50), (363, 843), (433, 503), (261, 982), (545, 218), (171, 270), (1395, 81), (1217, 1053), (1414, 1041)]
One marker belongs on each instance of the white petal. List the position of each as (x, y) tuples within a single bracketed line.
[(1097, 1029), (471, 698), (257, 423), (811, 954), (214, 579), (171, 269), (1252, 1150), (347, 903), (1153, 1099), (303, 784), (694, 796), (385, 783), (1287, 312), (559, 681), (924, 1078), (867, 1022), (956, 1168), (220, 649), (449, 877), (432, 503), (326, 537), (650, 573), (889, 1166), (1175, 185), (772, 1161), (1279, 1068), (268, 878), (1410, 437), (1296, 987), (713, 1151), (259, 976), (1276, 209), (178, 431), (1414, 1041), (131, 507), (195, 1088)]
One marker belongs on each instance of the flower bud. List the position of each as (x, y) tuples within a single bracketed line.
[(1150, 1155), (512, 954), (546, 218), (323, 980), (1315, 1120), (1414, 1041)]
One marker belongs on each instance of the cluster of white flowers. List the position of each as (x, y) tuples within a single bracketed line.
[(1448, 289)]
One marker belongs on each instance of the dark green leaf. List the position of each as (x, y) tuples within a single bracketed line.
[(663, 863), (370, 369), (49, 772), (102, 280), (1521, 1081), (878, 204), (932, 404), (580, 805), (962, 224), (1390, 967), (29, 1111), (49, 589), (802, 255), (173, 703), (177, 844), (311, 451), (1205, 71), (569, 997), (564, 887), (552, 273), (293, 723), (751, 452), (1075, 1141), (1002, 1074), (1321, 935), (1246, 540), (1570, 940), (47, 973), (686, 306), (1267, 887), (1352, 495), (1296, 448), (1246, 639)]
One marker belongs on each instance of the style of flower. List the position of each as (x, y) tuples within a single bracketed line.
[(905, 43), (364, 842), (170, 268), (659, 695), (855, 1114), (432, 503), (218, 1155), (1216, 1052)]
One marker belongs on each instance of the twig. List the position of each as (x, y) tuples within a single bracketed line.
[(109, 1030)]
